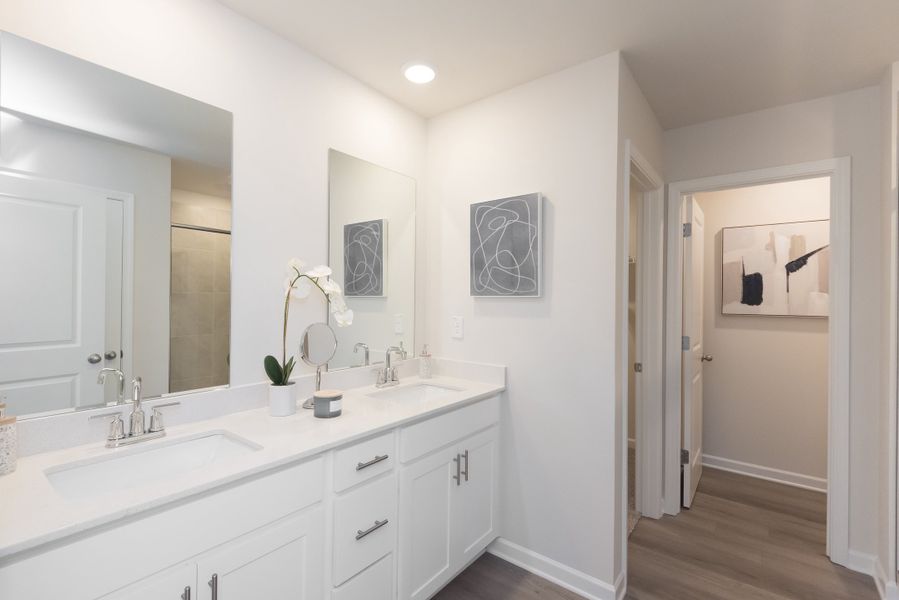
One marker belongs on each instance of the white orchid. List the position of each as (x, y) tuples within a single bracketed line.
[(330, 287), (295, 267), (344, 318), (319, 272), (299, 287)]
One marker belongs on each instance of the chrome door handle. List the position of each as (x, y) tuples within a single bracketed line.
[(374, 461), (458, 475), (465, 472), (214, 584), (378, 524), (110, 355), (186, 594), (707, 358), (94, 358)]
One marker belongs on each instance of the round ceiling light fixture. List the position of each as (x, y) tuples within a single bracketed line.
[(419, 73)]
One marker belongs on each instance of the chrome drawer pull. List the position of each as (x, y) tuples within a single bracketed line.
[(378, 524), (465, 472), (458, 475), (186, 594), (374, 461), (214, 584)]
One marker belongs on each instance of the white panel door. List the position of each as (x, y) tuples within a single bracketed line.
[(692, 358), (284, 560), (474, 506), (179, 583), (52, 265), (427, 490)]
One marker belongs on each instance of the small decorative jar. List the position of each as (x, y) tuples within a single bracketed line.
[(9, 448), (328, 404)]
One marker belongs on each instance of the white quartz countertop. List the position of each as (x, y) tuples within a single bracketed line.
[(33, 513)]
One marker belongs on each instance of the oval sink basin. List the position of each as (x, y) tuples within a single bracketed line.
[(138, 465), (417, 392)]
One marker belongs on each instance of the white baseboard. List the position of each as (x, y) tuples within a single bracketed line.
[(571, 579), (887, 589), (799, 480)]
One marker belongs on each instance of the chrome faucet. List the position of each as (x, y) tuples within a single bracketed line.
[(138, 431), (101, 380), (365, 357), (388, 375)]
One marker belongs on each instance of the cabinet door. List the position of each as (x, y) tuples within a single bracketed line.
[(475, 503), (426, 490), (178, 583), (284, 560)]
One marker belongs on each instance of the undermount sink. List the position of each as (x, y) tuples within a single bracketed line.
[(417, 392), (142, 465)]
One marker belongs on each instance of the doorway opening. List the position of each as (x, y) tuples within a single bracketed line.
[(755, 333)]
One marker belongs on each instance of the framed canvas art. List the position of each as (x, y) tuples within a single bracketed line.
[(363, 258), (782, 269), (506, 246)]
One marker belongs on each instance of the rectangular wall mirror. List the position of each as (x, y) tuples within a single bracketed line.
[(372, 253), (115, 234)]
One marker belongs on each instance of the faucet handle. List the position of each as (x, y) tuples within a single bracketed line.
[(156, 421), (116, 425)]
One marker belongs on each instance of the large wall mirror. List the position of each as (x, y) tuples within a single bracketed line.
[(372, 253), (115, 223)]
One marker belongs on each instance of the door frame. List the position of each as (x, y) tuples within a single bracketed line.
[(649, 340), (839, 171)]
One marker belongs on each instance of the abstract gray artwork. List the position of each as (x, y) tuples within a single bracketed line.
[(363, 258), (781, 269), (506, 246)]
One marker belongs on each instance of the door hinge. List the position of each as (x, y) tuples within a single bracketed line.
[(638, 367), (688, 229), (685, 342), (684, 457)]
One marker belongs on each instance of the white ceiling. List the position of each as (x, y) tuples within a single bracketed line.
[(694, 59)]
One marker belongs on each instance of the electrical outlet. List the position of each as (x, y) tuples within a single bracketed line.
[(458, 328), (398, 327)]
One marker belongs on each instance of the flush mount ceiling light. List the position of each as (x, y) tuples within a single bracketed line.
[(419, 73)]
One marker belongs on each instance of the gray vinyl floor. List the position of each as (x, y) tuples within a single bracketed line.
[(744, 539)]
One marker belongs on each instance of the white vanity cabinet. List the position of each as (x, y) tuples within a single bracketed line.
[(448, 498), (394, 515)]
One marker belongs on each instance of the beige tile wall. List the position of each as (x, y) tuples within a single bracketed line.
[(201, 299)]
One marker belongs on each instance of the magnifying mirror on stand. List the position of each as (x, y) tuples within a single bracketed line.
[(318, 346)]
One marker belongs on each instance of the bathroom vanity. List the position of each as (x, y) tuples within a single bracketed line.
[(391, 500)]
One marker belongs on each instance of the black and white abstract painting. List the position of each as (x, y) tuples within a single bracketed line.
[(363, 258), (506, 247), (779, 270)]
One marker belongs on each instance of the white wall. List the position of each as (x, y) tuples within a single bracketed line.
[(556, 135), (842, 125), (362, 191), (765, 393), (289, 108), (89, 160)]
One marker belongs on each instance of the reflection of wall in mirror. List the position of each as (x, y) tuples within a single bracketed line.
[(201, 291), (360, 192), (65, 155)]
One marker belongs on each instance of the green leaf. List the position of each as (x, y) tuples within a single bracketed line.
[(288, 369), (273, 370)]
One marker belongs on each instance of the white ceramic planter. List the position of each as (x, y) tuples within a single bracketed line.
[(282, 400)]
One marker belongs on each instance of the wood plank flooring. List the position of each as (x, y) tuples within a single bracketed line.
[(744, 539)]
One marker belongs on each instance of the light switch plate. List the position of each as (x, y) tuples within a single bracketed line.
[(458, 328), (398, 324)]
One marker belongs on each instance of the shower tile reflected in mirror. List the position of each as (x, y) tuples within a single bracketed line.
[(372, 254)]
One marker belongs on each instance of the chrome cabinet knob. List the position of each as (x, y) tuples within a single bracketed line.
[(707, 358), (94, 358), (111, 355)]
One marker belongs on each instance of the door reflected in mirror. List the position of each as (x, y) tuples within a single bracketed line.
[(372, 253), (115, 227)]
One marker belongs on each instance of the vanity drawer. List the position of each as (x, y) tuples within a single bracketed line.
[(427, 436), (374, 583), (363, 461), (364, 527)]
